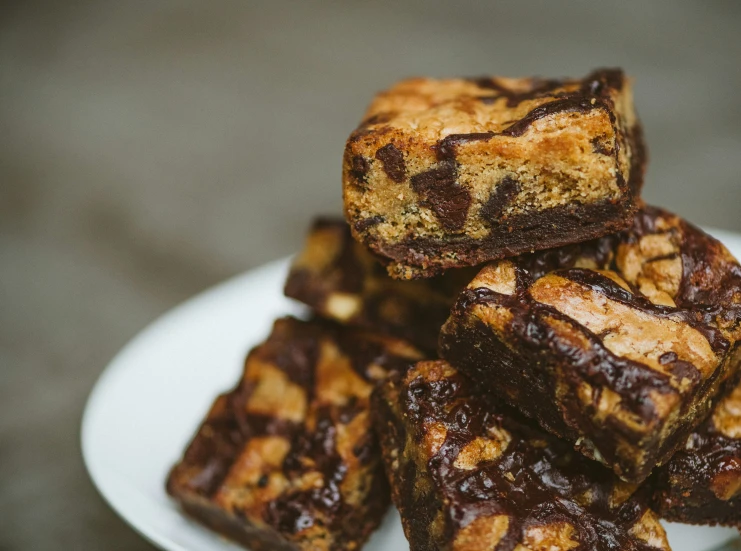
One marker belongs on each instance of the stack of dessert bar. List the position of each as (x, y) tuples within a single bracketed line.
[(503, 339)]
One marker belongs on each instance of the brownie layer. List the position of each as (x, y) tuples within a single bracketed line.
[(557, 226), (287, 459), (618, 345), (341, 280), (469, 473), (447, 173)]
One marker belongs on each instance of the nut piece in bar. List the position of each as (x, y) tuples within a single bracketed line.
[(469, 474), (619, 345), (287, 460), (341, 280), (450, 173), (701, 483)]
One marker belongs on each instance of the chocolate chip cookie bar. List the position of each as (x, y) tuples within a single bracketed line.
[(340, 280), (701, 484), (449, 173), (287, 460), (618, 345), (467, 473)]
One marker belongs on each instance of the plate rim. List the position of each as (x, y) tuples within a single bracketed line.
[(118, 363)]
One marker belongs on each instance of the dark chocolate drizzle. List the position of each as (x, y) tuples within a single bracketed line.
[(607, 287), (596, 364), (537, 480), (576, 104), (293, 347), (538, 88), (595, 84), (439, 187), (592, 94), (707, 301), (293, 512)]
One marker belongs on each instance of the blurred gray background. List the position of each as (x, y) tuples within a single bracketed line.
[(152, 149)]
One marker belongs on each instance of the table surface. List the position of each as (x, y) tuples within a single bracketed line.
[(150, 150)]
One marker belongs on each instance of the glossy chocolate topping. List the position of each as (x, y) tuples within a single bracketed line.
[(591, 95), (604, 387), (290, 448), (595, 363), (534, 480)]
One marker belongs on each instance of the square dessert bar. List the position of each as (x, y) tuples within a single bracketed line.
[(619, 345), (701, 483), (341, 280), (450, 173), (287, 460), (469, 474)]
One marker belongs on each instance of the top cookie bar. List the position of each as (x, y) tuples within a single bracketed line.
[(450, 173)]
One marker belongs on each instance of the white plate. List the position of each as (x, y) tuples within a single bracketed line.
[(150, 399)]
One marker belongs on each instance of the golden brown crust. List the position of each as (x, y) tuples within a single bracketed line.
[(619, 345), (441, 172), (286, 460), (467, 473)]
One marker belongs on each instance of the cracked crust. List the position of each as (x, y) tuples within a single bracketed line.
[(451, 173), (286, 460), (341, 280), (619, 345), (467, 474)]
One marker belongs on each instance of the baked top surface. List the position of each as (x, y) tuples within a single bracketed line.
[(437, 159), (288, 452), (500, 481), (640, 324), (341, 280), (434, 109)]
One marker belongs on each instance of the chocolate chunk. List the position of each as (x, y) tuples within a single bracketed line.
[(366, 223), (476, 131), (504, 192), (393, 162), (599, 145), (360, 167), (440, 192)]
